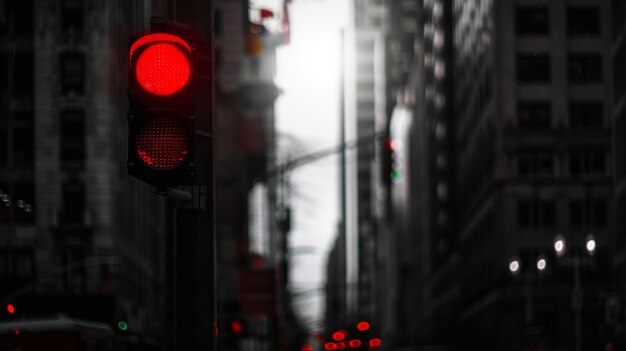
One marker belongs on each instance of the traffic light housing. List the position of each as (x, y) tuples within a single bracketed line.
[(169, 112)]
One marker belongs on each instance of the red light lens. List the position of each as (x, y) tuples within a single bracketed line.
[(11, 308), (375, 342), (163, 69), (355, 343), (162, 143), (363, 326), (339, 335)]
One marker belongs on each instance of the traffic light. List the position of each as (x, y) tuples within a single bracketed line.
[(169, 95)]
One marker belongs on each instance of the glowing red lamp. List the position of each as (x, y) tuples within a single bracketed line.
[(163, 65), (363, 326), (355, 343), (375, 342), (10, 308), (340, 335), (330, 346)]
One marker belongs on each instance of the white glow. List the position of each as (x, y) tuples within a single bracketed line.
[(591, 245), (559, 245), (514, 266), (541, 264)]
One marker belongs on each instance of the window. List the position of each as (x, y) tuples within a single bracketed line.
[(598, 214), (23, 17), (23, 73), (585, 213), (73, 138), (548, 214), (584, 68), (619, 72), (23, 139), (536, 213), (585, 114), (583, 162), (534, 114), (532, 20), (72, 15), (618, 10), (72, 72), (535, 163), (576, 213), (583, 21), (533, 68), (73, 201)]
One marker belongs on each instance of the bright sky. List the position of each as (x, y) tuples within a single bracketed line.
[(308, 73)]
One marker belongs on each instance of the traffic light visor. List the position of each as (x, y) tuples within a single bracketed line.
[(161, 63)]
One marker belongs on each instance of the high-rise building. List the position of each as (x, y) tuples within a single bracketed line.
[(79, 236)]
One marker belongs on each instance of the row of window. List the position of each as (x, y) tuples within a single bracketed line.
[(542, 213), (581, 162), (581, 68), (538, 114), (534, 20)]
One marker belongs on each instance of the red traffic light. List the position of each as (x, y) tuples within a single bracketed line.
[(375, 342), (330, 346), (163, 65), (236, 327), (355, 343), (363, 326), (340, 335), (10, 308), (163, 143)]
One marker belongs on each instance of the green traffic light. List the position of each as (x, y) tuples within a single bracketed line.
[(395, 175), (122, 325)]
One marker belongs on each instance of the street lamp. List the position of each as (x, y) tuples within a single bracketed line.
[(541, 263), (514, 266), (590, 244), (559, 245), (577, 295)]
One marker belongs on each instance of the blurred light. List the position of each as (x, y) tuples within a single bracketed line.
[(355, 343), (10, 308), (514, 266), (20, 203), (340, 335), (16, 331), (559, 245), (363, 326), (375, 342), (307, 348), (236, 327), (591, 244), (122, 325), (330, 346), (541, 263)]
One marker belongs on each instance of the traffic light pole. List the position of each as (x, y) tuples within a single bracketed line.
[(190, 300)]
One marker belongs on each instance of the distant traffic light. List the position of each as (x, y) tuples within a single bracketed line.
[(236, 327), (122, 325), (167, 78), (363, 326), (375, 342), (10, 308)]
